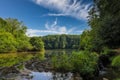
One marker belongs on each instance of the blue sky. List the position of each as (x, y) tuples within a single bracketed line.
[(43, 17)]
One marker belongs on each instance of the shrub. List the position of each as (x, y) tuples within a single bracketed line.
[(37, 44), (62, 63), (106, 51), (7, 42), (82, 62), (116, 61)]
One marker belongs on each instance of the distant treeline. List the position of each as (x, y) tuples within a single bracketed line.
[(61, 41)]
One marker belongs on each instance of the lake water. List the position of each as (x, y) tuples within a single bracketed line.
[(31, 70)]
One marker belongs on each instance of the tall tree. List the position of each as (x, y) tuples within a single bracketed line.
[(104, 21), (37, 43), (17, 32), (7, 42)]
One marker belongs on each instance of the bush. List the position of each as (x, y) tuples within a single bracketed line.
[(116, 62), (23, 44), (7, 42), (40, 56), (82, 62), (106, 51), (37, 44), (62, 63)]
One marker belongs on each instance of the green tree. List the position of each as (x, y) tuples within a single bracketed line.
[(7, 42), (61, 41), (104, 21), (15, 27), (17, 30), (37, 43), (83, 62), (86, 40)]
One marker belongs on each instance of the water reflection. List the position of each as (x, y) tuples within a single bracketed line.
[(12, 63), (51, 76), (42, 75), (10, 59), (63, 76)]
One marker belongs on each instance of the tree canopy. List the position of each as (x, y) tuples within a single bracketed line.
[(61, 41), (104, 20), (13, 36)]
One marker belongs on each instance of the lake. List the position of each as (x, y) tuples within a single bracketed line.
[(36, 66)]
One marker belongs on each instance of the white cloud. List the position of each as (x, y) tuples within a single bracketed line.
[(79, 31), (53, 14), (50, 29), (73, 8)]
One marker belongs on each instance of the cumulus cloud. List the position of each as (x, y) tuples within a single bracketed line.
[(53, 28), (73, 8)]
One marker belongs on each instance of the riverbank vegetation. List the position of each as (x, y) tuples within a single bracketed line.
[(13, 37), (83, 62), (97, 45), (105, 27), (103, 37)]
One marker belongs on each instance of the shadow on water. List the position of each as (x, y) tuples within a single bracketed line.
[(37, 66)]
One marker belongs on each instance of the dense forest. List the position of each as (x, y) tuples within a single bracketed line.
[(13, 37), (99, 46), (61, 41), (104, 20)]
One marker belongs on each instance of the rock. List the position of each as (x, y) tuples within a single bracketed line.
[(105, 79), (25, 72)]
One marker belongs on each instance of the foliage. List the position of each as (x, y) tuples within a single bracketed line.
[(104, 21), (13, 36), (7, 60), (18, 30), (106, 51), (117, 79), (82, 62), (37, 43), (61, 41), (23, 44), (7, 42), (15, 27), (116, 61), (62, 63), (86, 41), (40, 56)]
